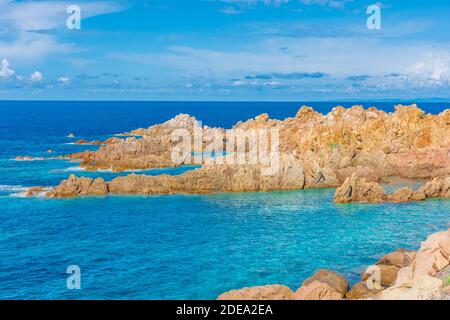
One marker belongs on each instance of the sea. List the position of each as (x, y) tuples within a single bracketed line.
[(176, 246)]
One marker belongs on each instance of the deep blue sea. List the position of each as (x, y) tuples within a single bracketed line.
[(176, 246)]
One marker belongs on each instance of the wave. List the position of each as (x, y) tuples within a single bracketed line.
[(12, 188), (78, 168), (30, 159), (24, 193), (69, 169)]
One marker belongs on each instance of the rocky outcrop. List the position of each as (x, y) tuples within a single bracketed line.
[(290, 175), (323, 285), (356, 189), (354, 147), (371, 142), (269, 292), (74, 187), (152, 150)]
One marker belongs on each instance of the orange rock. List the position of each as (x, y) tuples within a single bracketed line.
[(268, 292), (323, 285)]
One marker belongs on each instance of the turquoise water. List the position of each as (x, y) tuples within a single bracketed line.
[(178, 246)]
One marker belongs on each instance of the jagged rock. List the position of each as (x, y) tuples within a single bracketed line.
[(73, 187), (268, 292), (406, 195), (323, 285), (437, 188), (209, 179), (357, 189), (371, 142)]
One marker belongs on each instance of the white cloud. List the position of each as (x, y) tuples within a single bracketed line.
[(433, 68), (246, 4), (5, 70), (36, 76), (46, 15), (20, 19), (64, 80)]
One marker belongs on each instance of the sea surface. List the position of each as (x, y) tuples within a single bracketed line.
[(176, 246)]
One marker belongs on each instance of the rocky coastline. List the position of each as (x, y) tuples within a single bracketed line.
[(316, 151), (401, 275)]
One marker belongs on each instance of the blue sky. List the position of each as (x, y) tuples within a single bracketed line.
[(225, 50)]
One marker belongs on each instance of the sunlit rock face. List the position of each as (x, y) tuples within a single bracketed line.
[(313, 151)]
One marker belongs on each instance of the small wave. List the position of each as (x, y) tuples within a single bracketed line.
[(29, 159), (24, 194), (12, 188), (70, 169)]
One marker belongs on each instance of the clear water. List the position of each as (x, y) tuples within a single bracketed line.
[(175, 247)]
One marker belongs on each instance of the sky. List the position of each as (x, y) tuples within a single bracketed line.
[(277, 50)]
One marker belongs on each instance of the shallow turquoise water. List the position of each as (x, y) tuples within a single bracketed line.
[(174, 247)]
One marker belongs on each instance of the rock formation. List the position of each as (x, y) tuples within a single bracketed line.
[(291, 175), (371, 142), (356, 189)]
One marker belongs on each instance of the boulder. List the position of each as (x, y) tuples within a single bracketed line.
[(323, 285), (388, 274), (268, 292), (361, 291), (400, 258)]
